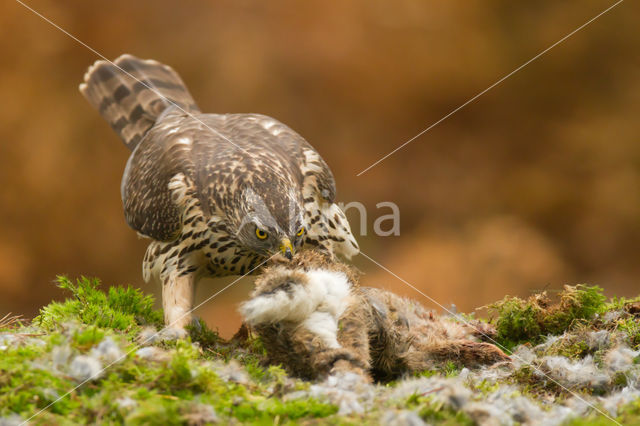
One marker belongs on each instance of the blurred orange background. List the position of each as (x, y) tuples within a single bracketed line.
[(534, 185)]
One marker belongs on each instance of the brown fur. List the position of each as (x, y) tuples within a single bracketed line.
[(381, 335)]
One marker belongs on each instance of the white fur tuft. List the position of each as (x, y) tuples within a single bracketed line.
[(325, 326), (331, 290), (316, 304)]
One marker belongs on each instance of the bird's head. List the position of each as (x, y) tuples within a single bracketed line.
[(272, 225)]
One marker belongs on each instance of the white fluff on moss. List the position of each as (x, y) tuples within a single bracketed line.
[(108, 351), (548, 342), (171, 334), (523, 355), (580, 373), (7, 341), (449, 391), (152, 353), (349, 391), (612, 316), (620, 359), (11, 420), (126, 403), (617, 400), (148, 336), (85, 368), (200, 414), (507, 407), (60, 356), (401, 418), (598, 339), (232, 371)]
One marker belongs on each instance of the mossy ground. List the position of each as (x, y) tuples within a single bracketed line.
[(96, 358)]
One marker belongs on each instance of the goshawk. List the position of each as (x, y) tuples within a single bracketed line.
[(218, 194)]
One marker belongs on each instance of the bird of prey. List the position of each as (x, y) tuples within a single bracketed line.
[(219, 194)]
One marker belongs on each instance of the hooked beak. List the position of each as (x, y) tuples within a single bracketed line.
[(286, 248)]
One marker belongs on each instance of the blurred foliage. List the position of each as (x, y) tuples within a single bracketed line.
[(532, 185)]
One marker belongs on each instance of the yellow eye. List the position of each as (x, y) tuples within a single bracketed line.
[(300, 231), (261, 234)]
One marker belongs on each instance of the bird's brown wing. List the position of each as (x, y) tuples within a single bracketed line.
[(162, 154), (219, 154)]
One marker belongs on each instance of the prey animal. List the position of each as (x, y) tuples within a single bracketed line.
[(219, 194), (316, 321)]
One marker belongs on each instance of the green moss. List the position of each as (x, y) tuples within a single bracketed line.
[(620, 303), (530, 320), (449, 369), (486, 387), (26, 385), (579, 302), (572, 347), (85, 338), (532, 385), (627, 415), (435, 411), (517, 321), (120, 308), (201, 333), (631, 327), (155, 411), (264, 411), (590, 421)]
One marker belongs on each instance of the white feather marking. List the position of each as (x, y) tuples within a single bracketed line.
[(184, 141), (267, 124), (178, 187), (313, 161)]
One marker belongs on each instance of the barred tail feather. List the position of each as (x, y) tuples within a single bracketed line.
[(133, 93)]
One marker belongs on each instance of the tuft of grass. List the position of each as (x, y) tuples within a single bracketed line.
[(201, 333), (529, 320), (10, 321), (121, 308)]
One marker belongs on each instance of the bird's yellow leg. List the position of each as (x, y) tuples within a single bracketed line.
[(177, 300)]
